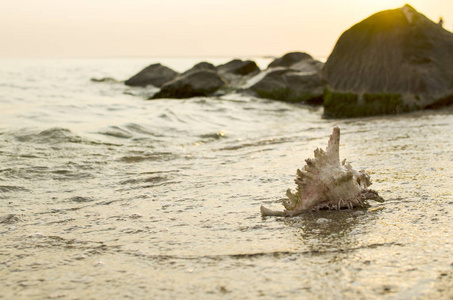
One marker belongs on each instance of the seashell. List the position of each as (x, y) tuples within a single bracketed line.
[(325, 183)]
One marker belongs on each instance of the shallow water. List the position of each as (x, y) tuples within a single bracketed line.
[(105, 195)]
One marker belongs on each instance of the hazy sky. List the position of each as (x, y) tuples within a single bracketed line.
[(109, 28)]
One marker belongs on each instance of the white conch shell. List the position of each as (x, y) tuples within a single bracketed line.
[(327, 183)]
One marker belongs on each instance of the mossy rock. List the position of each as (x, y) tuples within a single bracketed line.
[(350, 105), (385, 104)]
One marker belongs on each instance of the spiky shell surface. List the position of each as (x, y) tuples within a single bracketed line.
[(324, 182)]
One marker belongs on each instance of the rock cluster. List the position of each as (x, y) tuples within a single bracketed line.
[(392, 62), (293, 77)]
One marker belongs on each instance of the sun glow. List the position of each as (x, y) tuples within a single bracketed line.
[(188, 28), (377, 5)]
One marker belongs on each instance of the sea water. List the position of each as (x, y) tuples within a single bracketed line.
[(105, 195)]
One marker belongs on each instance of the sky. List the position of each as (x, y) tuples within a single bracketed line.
[(187, 28)]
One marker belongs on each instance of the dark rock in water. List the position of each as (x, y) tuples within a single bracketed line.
[(155, 74), (392, 62), (193, 84), (289, 59), (293, 78), (200, 66), (309, 65), (238, 67), (105, 79), (288, 85)]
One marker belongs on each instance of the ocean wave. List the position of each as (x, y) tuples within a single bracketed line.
[(12, 188), (140, 129), (152, 179), (70, 174), (115, 131), (53, 135), (151, 156), (214, 136), (259, 143), (80, 199)]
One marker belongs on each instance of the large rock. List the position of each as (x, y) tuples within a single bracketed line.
[(289, 85), (156, 75), (196, 83), (289, 59), (394, 61)]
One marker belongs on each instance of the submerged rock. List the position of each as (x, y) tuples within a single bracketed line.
[(105, 79), (193, 84), (394, 61), (325, 182), (155, 74)]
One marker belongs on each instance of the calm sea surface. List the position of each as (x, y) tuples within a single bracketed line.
[(104, 195)]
